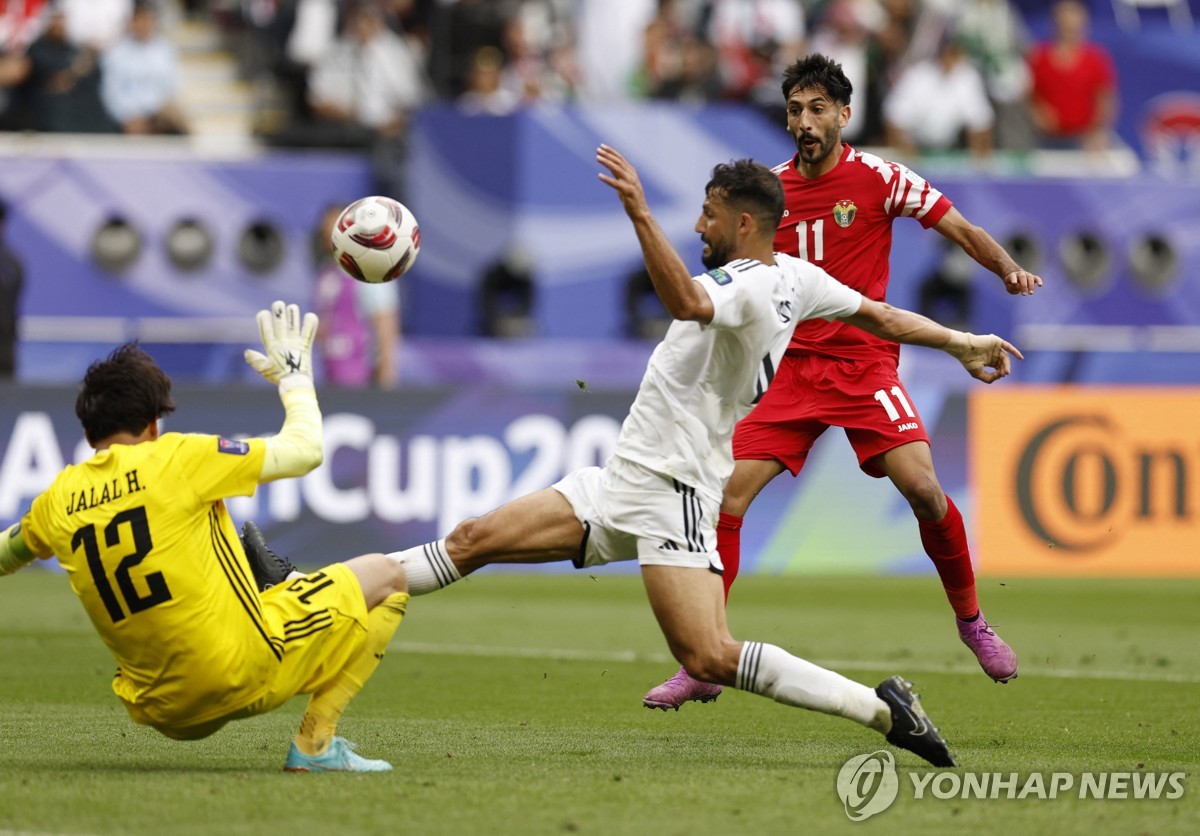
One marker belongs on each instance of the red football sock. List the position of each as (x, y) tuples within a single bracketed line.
[(945, 542), (729, 546)]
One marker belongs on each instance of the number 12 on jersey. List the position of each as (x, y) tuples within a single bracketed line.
[(135, 601)]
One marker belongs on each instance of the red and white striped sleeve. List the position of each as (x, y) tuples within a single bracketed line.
[(911, 196)]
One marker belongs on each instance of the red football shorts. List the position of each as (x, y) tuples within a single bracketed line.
[(810, 394)]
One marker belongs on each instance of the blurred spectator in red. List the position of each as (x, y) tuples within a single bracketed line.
[(1073, 98), (370, 79), (940, 105), (140, 77)]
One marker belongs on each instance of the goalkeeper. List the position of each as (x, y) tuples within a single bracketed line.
[(142, 529)]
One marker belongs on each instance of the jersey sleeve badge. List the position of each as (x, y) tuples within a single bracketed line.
[(720, 276), (844, 212), (232, 446)]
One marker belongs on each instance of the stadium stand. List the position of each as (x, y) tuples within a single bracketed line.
[(243, 68)]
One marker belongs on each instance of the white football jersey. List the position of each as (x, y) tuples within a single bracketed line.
[(703, 379)]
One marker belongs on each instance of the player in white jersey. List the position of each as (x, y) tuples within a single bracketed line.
[(702, 380), (658, 496), (656, 499)]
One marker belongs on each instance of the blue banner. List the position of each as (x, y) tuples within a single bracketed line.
[(403, 469)]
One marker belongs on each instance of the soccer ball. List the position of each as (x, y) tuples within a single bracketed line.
[(376, 239)]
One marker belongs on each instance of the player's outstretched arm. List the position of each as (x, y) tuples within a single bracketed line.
[(286, 360), (977, 243), (986, 358), (681, 296)]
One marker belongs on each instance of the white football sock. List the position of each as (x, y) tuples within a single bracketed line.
[(429, 567), (771, 671)]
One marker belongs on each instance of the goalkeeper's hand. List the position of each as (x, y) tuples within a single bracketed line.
[(985, 357), (288, 345)]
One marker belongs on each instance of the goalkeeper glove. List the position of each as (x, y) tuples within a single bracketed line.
[(288, 345)]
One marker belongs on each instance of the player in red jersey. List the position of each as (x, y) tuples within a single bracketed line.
[(840, 204)]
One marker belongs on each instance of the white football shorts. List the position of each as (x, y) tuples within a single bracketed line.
[(631, 511)]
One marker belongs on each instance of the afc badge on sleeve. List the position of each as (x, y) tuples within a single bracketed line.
[(232, 446)]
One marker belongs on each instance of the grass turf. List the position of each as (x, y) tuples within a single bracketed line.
[(511, 704)]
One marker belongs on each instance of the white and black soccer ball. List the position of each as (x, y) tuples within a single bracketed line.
[(376, 239)]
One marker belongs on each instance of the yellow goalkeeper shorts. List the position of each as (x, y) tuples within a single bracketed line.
[(319, 623)]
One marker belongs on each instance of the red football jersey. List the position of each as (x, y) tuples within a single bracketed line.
[(842, 222)]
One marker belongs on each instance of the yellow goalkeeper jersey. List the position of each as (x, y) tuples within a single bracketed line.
[(144, 535)]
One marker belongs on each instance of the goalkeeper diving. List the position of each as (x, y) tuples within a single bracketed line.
[(150, 549)]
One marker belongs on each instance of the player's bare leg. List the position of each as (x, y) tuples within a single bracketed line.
[(317, 748), (538, 528), (689, 607), (747, 481), (749, 477), (691, 612), (910, 467)]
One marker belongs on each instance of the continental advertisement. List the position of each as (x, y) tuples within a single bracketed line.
[(1086, 481)]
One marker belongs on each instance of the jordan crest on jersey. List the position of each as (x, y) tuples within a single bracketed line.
[(843, 212)]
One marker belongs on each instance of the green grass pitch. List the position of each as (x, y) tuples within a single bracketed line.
[(510, 703)]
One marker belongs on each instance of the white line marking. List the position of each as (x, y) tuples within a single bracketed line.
[(902, 666)]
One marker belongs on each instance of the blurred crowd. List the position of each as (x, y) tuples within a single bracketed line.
[(929, 75), (87, 66)]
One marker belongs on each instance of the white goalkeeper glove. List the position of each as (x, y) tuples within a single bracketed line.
[(288, 345)]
